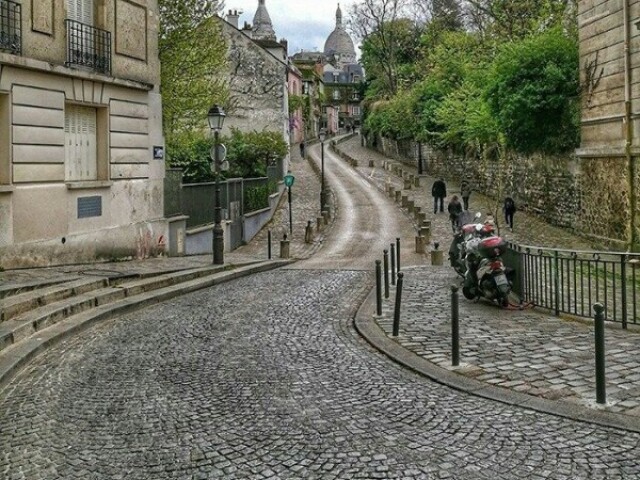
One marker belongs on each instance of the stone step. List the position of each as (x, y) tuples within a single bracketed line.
[(19, 303), (78, 297), (17, 355), (18, 288)]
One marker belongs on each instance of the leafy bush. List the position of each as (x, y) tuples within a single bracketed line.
[(533, 93), (257, 198), (248, 154)]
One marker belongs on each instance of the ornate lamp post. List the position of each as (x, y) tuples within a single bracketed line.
[(216, 120), (323, 196)]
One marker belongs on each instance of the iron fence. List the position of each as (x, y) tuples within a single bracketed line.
[(571, 281), (10, 27), (88, 46)]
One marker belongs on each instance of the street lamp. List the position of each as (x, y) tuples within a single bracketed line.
[(288, 181), (323, 196), (216, 119)]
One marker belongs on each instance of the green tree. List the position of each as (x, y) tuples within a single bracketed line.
[(193, 58), (533, 92), (249, 153)]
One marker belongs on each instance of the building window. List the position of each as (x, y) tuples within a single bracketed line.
[(355, 111), (81, 11), (86, 150), (5, 140), (336, 94), (356, 78)]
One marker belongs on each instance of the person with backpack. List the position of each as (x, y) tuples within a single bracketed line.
[(509, 211), (455, 210)]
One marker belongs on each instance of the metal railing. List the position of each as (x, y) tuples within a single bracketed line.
[(571, 281), (88, 46), (10, 27)]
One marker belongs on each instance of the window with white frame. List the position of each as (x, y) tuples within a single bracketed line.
[(355, 111), (81, 152), (336, 94)]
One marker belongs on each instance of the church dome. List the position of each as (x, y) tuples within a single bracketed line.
[(339, 43)]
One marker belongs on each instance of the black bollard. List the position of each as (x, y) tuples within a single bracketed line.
[(393, 264), (269, 244), (386, 273), (601, 393), (455, 327), (396, 312), (398, 252), (378, 288)]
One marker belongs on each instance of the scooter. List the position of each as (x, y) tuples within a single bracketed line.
[(486, 274), (462, 234)]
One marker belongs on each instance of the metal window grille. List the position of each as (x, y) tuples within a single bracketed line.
[(88, 46), (10, 27)]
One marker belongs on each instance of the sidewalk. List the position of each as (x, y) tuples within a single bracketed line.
[(519, 357)]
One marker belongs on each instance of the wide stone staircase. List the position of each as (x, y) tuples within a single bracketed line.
[(36, 314)]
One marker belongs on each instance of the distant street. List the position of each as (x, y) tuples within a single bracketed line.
[(265, 378)]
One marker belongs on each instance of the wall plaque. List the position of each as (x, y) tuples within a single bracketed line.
[(42, 16), (131, 30)]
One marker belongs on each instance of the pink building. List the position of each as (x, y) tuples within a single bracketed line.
[(296, 121)]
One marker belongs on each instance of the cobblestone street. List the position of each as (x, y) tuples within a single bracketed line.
[(241, 382), (265, 377)]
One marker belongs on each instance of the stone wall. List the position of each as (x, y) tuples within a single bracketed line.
[(589, 196)]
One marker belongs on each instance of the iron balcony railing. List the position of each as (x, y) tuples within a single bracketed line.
[(10, 27), (88, 47), (571, 281)]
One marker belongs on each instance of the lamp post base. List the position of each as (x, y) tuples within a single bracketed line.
[(218, 245)]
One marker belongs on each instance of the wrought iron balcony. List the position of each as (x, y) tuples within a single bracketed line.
[(10, 27), (88, 47)]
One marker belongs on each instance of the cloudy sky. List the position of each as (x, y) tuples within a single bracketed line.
[(306, 24)]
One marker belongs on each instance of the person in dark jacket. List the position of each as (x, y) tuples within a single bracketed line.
[(509, 208), (438, 192), (302, 149), (465, 193), (455, 211)]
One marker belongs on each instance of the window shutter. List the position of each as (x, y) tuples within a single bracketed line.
[(80, 11), (80, 135)]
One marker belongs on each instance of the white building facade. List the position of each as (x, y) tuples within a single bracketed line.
[(81, 146)]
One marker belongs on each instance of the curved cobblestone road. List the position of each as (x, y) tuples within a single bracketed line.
[(265, 378)]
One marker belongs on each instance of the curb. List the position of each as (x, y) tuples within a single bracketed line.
[(21, 354), (366, 326)]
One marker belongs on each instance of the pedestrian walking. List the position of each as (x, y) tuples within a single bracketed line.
[(465, 193), (509, 211), (438, 192), (302, 149), (455, 211)]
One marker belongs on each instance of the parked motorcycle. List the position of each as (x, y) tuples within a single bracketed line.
[(486, 274), (462, 234)]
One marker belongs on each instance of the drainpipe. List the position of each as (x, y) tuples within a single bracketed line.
[(629, 127)]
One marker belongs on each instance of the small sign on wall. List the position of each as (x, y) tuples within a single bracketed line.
[(158, 153), (90, 206)]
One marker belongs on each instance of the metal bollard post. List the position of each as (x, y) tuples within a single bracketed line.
[(386, 273), (393, 264), (396, 312), (455, 327), (601, 393), (398, 252), (269, 244), (378, 288)]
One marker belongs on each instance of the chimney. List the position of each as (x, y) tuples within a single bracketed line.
[(232, 17), (285, 44)]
